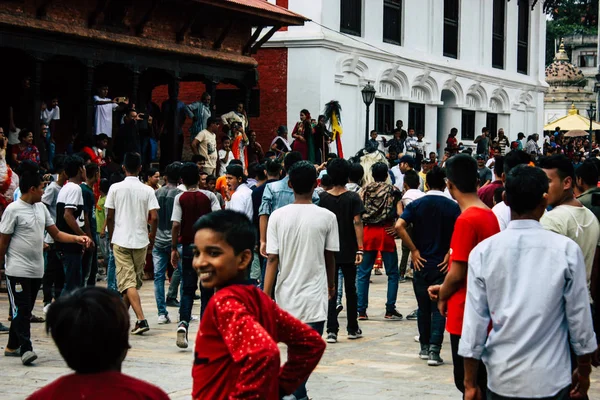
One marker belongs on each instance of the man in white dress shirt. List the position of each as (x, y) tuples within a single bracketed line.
[(529, 284)]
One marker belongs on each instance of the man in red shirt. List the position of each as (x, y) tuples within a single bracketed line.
[(236, 355), (475, 224), (91, 330), (486, 193)]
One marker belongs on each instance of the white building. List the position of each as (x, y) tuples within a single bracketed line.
[(436, 64)]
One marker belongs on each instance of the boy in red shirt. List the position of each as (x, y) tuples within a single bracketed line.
[(236, 355), (91, 330), (475, 224)]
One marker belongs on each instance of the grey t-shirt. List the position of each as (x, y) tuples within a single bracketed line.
[(166, 197), (26, 224), (485, 174), (49, 199)]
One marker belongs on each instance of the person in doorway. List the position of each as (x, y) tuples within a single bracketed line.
[(452, 142), (131, 206), (21, 254), (105, 107), (410, 144), (227, 366), (187, 208), (475, 224), (94, 319), (205, 144), (301, 241), (396, 144), (225, 155), (502, 142), (432, 218), (381, 201), (541, 290)]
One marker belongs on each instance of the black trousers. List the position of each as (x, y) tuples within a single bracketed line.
[(333, 325), (562, 395), (459, 369), (22, 293), (429, 320), (54, 276)]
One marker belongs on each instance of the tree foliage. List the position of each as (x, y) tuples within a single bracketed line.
[(569, 17)]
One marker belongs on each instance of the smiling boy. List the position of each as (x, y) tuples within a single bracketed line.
[(236, 353)]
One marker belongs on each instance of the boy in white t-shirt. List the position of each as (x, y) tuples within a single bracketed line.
[(105, 107), (302, 239)]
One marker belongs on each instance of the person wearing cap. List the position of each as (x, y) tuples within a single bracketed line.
[(485, 174), (483, 142), (407, 163), (521, 141), (241, 194)]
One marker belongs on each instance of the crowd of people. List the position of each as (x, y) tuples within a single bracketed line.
[(500, 244)]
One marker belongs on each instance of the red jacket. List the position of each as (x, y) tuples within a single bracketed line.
[(236, 355)]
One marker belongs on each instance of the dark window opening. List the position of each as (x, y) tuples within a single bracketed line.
[(351, 17), (384, 116), (416, 117), (468, 125), (392, 21), (451, 16), (499, 21), (523, 37), (491, 122)]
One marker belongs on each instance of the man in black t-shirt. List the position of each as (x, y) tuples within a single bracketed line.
[(348, 208)]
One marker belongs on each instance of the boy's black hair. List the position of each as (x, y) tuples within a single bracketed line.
[(564, 167), (338, 170), (72, 166), (461, 170), (260, 172), (58, 162), (236, 162), (498, 194), (588, 172), (150, 172), (514, 158), (94, 319), (27, 166), (132, 162), (173, 172), (411, 178), (290, 159), (273, 168), (525, 187), (436, 179), (498, 165), (252, 170), (270, 154), (84, 156), (28, 180), (236, 228), (380, 172), (104, 185), (91, 169), (101, 136), (211, 178), (196, 158), (212, 120), (357, 173), (327, 181), (190, 174), (331, 156), (303, 177)]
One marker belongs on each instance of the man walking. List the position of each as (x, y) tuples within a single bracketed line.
[(21, 253), (348, 208), (529, 284), (187, 208), (131, 206), (432, 218), (161, 251)]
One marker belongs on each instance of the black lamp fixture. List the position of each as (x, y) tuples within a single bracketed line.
[(592, 115), (368, 95)]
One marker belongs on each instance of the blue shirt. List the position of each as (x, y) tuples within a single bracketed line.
[(279, 194), (433, 217)]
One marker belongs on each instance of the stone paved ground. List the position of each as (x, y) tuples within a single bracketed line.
[(381, 366)]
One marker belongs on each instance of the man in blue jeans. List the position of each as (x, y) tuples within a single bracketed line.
[(187, 208), (432, 218), (161, 252)]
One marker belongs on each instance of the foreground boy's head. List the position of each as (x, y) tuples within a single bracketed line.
[(526, 192), (91, 329), (223, 248)]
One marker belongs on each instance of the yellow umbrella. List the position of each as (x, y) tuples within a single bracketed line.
[(576, 133), (572, 121)]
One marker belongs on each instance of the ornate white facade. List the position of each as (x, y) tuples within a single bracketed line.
[(415, 77)]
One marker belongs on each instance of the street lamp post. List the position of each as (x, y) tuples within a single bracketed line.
[(368, 95), (592, 115)]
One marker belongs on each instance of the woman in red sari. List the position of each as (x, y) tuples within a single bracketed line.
[(302, 134), (25, 150)]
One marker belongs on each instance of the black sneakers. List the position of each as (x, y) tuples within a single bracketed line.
[(182, 335), (140, 327), (355, 335), (393, 316), (171, 302)]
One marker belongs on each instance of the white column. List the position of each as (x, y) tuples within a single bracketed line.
[(401, 112), (431, 122), (480, 121)]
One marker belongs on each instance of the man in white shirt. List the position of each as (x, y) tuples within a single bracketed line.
[(302, 239), (568, 216), (225, 156), (205, 144), (105, 107), (241, 194), (21, 252), (129, 203), (529, 284), (410, 144), (239, 115)]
